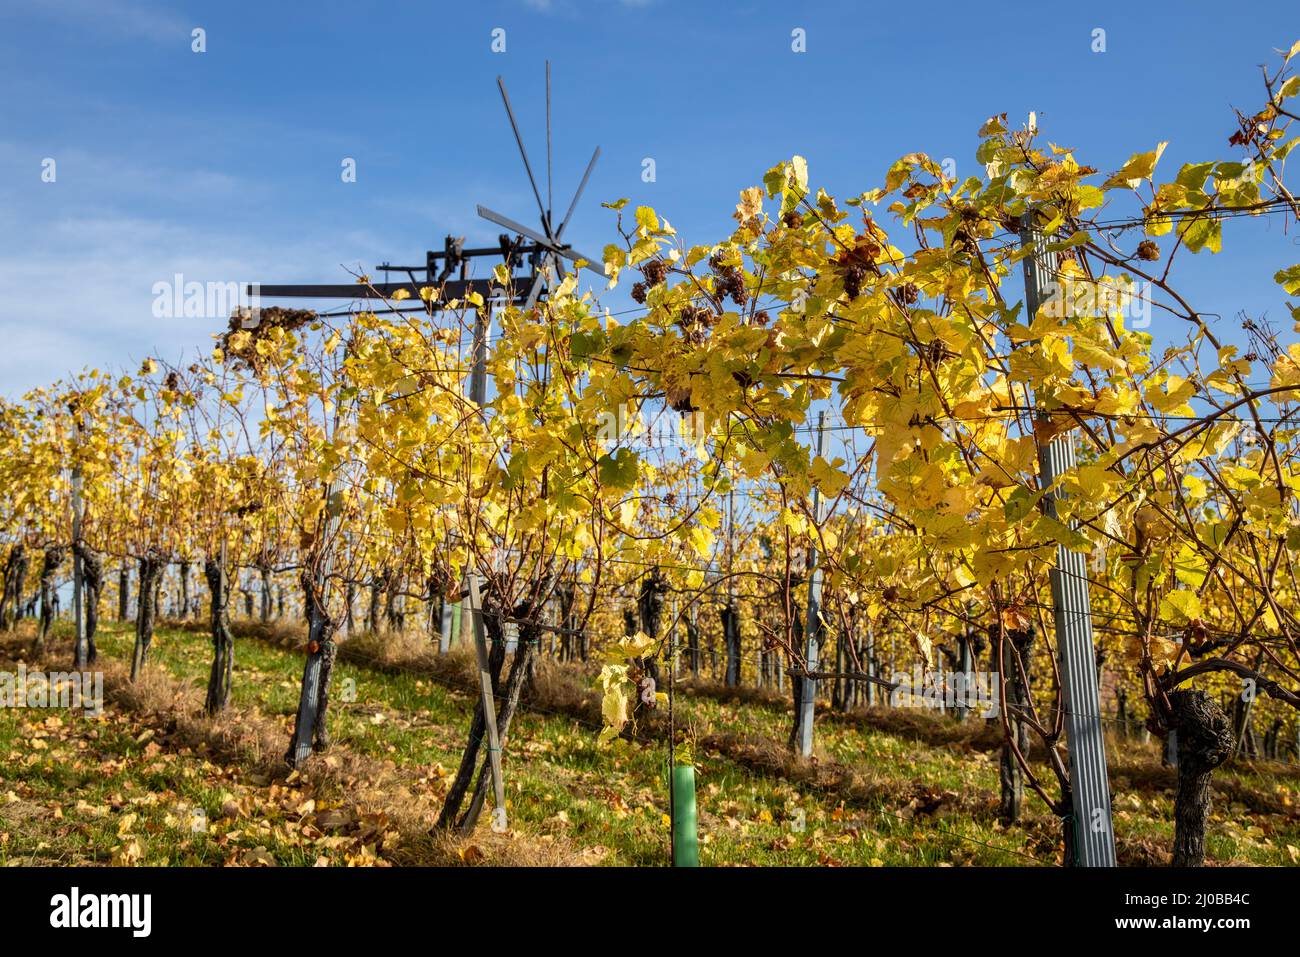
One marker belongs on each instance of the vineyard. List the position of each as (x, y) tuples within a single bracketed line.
[(880, 531)]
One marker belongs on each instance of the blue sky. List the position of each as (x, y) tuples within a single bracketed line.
[(225, 165)]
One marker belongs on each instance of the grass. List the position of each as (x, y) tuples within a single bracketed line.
[(152, 781)]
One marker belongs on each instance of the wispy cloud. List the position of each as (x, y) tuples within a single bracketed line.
[(79, 292), (79, 258), (122, 17), (572, 6)]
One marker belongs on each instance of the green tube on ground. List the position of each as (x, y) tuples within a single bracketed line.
[(686, 839)]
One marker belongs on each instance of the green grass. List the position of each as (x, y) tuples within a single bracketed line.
[(607, 802)]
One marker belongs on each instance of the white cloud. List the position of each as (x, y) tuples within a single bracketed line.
[(123, 17), (80, 291), (78, 266), (570, 7)]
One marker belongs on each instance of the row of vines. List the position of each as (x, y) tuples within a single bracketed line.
[(645, 474)]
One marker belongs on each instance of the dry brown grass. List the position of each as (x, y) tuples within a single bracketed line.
[(973, 734), (1128, 774), (255, 744), (853, 786), (484, 847), (827, 777)]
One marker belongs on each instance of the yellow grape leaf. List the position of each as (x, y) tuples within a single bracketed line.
[(1180, 607), (701, 540), (750, 205), (828, 478), (1139, 167)]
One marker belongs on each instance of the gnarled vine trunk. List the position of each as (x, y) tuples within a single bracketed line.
[(223, 643), (572, 645), (478, 724), (183, 569), (377, 585), (50, 562), (796, 682), (649, 617), (311, 727), (15, 574), (266, 600), (693, 646), (394, 607), (92, 580), (124, 592), (731, 638), (151, 570), (520, 669), (1012, 652), (1204, 742)]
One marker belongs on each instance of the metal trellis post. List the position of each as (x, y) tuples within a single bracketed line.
[(1089, 786), (78, 576), (812, 630)]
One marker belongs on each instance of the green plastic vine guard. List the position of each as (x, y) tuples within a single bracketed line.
[(686, 840)]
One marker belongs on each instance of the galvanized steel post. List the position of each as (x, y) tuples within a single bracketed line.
[(1094, 836), (812, 631), (78, 574)]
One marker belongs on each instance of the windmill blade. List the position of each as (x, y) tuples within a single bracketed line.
[(538, 281), (532, 234), (576, 196), (515, 227), (505, 98), (549, 196), (533, 293), (593, 263)]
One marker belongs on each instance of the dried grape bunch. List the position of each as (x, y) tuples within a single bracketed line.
[(734, 286), (239, 341), (695, 322), (854, 263), (655, 272), (1148, 251), (442, 583), (853, 276), (729, 281), (679, 399)]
